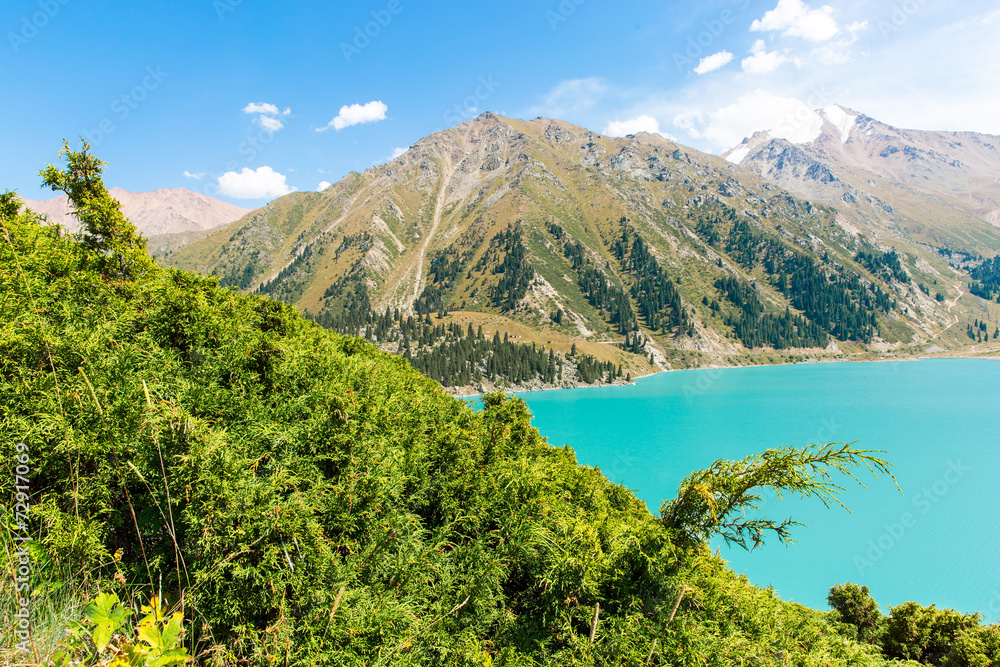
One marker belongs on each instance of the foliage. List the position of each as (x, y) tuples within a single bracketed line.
[(121, 249), (854, 605), (515, 270), (756, 328), (715, 501), (155, 641), (457, 358), (986, 279), (601, 292), (312, 500), (832, 297), (653, 289), (886, 265), (912, 632)]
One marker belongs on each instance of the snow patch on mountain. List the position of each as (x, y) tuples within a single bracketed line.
[(737, 154), (841, 119)]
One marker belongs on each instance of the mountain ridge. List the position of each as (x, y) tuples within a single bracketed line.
[(852, 156), (158, 212), (512, 221)]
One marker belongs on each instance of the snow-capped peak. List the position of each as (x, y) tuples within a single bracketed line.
[(840, 118)]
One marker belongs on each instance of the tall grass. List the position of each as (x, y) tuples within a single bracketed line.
[(57, 597)]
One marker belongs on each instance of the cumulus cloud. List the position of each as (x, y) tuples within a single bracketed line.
[(253, 184), (795, 19), (188, 174), (761, 61), (269, 123), (323, 185), (268, 115), (644, 123), (713, 62), (355, 114), (396, 152), (261, 107), (785, 117)]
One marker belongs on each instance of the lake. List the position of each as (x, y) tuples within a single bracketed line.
[(936, 542)]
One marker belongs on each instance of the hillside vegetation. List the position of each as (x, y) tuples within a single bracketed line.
[(302, 498)]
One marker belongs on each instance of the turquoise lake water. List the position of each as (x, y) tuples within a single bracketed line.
[(937, 542)]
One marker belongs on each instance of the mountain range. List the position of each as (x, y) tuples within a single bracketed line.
[(638, 249), (163, 211), (932, 187)]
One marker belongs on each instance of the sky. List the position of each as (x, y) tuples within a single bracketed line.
[(248, 100)]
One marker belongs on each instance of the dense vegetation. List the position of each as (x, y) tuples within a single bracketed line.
[(601, 292), (301, 498), (653, 289), (986, 279), (756, 328), (514, 270), (837, 300), (885, 265), (458, 357), (913, 632)]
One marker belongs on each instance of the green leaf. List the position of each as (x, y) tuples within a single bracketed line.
[(150, 634), (107, 614), (177, 656), (171, 635)]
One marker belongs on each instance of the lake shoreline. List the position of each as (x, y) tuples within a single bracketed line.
[(993, 353)]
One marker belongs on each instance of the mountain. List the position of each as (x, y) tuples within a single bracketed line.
[(940, 188), (163, 211), (636, 250)]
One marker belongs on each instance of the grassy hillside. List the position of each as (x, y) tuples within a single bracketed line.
[(302, 498)]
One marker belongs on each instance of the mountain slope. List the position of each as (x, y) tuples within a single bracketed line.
[(638, 241), (935, 187), (163, 211)]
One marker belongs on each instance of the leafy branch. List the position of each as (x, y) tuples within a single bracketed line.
[(716, 500)]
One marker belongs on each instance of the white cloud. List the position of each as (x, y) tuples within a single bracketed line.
[(261, 107), (355, 114), (571, 97), (793, 18), (268, 115), (188, 174), (323, 185), (250, 184), (644, 123), (269, 123), (838, 52), (396, 152), (786, 118), (713, 62), (762, 62)]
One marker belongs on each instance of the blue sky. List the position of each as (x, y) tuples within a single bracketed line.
[(238, 98)]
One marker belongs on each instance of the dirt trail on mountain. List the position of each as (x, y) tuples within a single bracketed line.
[(953, 303), (442, 195)]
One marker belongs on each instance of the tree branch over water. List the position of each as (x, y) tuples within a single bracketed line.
[(716, 500)]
